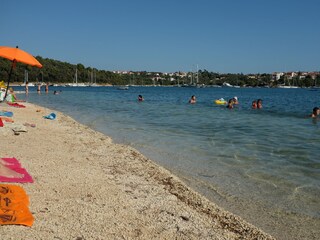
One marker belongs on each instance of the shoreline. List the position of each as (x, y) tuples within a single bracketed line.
[(87, 187)]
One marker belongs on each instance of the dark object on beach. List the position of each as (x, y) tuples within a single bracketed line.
[(184, 218)]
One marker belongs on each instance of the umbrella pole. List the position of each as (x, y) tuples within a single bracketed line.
[(5, 95)]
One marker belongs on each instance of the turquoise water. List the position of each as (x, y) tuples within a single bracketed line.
[(263, 165)]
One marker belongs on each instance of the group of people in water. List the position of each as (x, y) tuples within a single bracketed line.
[(12, 97), (233, 101), (256, 104), (38, 88)]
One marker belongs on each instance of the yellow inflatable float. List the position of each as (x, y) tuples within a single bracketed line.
[(220, 101)]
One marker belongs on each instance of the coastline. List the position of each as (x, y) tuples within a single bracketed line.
[(87, 187)]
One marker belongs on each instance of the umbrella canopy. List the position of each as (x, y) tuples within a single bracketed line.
[(18, 55)]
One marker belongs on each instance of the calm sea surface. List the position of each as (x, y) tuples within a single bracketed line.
[(263, 165)]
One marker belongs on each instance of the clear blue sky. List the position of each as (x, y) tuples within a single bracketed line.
[(233, 36)]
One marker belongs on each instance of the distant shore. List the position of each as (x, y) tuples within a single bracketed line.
[(87, 187), (68, 85)]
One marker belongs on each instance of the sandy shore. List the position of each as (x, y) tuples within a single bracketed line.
[(87, 187)]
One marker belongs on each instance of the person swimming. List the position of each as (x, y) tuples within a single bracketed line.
[(315, 112), (230, 104), (193, 99), (235, 100), (254, 104), (259, 103), (140, 98)]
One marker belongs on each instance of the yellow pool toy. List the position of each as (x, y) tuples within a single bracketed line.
[(220, 101)]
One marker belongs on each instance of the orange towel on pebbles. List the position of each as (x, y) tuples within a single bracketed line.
[(6, 119), (14, 206)]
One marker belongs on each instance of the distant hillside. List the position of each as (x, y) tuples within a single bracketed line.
[(55, 71)]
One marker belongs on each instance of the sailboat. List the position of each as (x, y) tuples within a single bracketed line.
[(198, 85), (26, 79), (287, 86), (75, 81), (93, 79), (194, 81), (315, 87)]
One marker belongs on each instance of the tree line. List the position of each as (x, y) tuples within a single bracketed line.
[(58, 72)]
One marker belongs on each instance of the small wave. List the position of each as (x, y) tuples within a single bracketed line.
[(261, 178)]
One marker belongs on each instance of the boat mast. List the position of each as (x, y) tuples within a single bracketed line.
[(75, 79), (197, 74), (26, 76)]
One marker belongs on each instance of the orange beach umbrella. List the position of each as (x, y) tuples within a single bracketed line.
[(17, 55)]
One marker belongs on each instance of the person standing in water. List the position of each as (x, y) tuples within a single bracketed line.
[(27, 88), (39, 89), (47, 87)]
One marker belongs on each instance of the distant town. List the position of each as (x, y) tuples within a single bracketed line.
[(276, 79)]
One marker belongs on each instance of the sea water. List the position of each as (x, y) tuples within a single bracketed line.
[(262, 164)]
